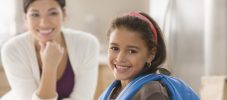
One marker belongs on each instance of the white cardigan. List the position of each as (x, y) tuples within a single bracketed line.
[(22, 71)]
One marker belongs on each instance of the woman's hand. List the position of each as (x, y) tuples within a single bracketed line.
[(51, 54)]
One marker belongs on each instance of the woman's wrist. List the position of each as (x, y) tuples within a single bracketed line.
[(50, 69), (36, 96), (47, 86)]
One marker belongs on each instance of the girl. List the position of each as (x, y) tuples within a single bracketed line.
[(136, 50)]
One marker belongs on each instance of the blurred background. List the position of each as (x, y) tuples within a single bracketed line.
[(195, 32)]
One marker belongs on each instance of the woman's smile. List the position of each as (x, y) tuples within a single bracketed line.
[(45, 32)]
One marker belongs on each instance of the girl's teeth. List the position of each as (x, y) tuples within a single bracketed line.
[(121, 69)]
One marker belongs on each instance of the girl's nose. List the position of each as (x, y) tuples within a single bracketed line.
[(121, 57)]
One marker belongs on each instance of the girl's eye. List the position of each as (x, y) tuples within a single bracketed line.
[(114, 48), (132, 51)]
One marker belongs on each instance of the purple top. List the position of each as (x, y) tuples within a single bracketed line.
[(66, 83)]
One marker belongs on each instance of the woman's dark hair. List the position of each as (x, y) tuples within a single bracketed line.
[(142, 27), (27, 3)]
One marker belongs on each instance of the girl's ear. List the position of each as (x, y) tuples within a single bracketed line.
[(152, 54)]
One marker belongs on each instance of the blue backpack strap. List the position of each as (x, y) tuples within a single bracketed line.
[(134, 86), (178, 89), (105, 95)]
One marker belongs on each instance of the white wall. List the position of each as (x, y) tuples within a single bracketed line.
[(184, 32), (7, 21), (92, 16), (187, 44), (95, 15), (216, 37)]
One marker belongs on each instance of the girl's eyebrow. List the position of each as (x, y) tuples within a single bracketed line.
[(129, 46), (132, 46), (114, 44)]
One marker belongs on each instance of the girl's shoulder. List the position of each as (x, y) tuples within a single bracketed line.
[(152, 89)]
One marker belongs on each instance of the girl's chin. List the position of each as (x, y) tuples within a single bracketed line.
[(120, 77)]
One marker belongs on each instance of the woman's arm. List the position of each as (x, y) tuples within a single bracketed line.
[(21, 77), (18, 72), (51, 54)]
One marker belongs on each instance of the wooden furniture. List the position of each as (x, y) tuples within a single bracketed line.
[(214, 88), (105, 79), (4, 85)]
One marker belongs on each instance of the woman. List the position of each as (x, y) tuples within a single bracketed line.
[(49, 62), (136, 50)]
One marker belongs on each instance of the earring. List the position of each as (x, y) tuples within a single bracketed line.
[(148, 64)]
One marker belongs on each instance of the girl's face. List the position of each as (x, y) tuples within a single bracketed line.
[(127, 54), (44, 19)]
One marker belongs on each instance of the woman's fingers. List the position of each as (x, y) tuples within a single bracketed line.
[(51, 53)]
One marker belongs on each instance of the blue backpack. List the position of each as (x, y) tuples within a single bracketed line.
[(177, 89)]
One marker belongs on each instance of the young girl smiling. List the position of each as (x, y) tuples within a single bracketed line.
[(136, 51)]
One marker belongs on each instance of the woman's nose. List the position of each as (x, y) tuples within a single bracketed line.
[(44, 22)]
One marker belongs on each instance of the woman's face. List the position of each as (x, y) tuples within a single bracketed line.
[(44, 19), (127, 54)]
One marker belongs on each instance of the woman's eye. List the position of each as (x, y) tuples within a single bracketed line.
[(54, 13), (35, 15)]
